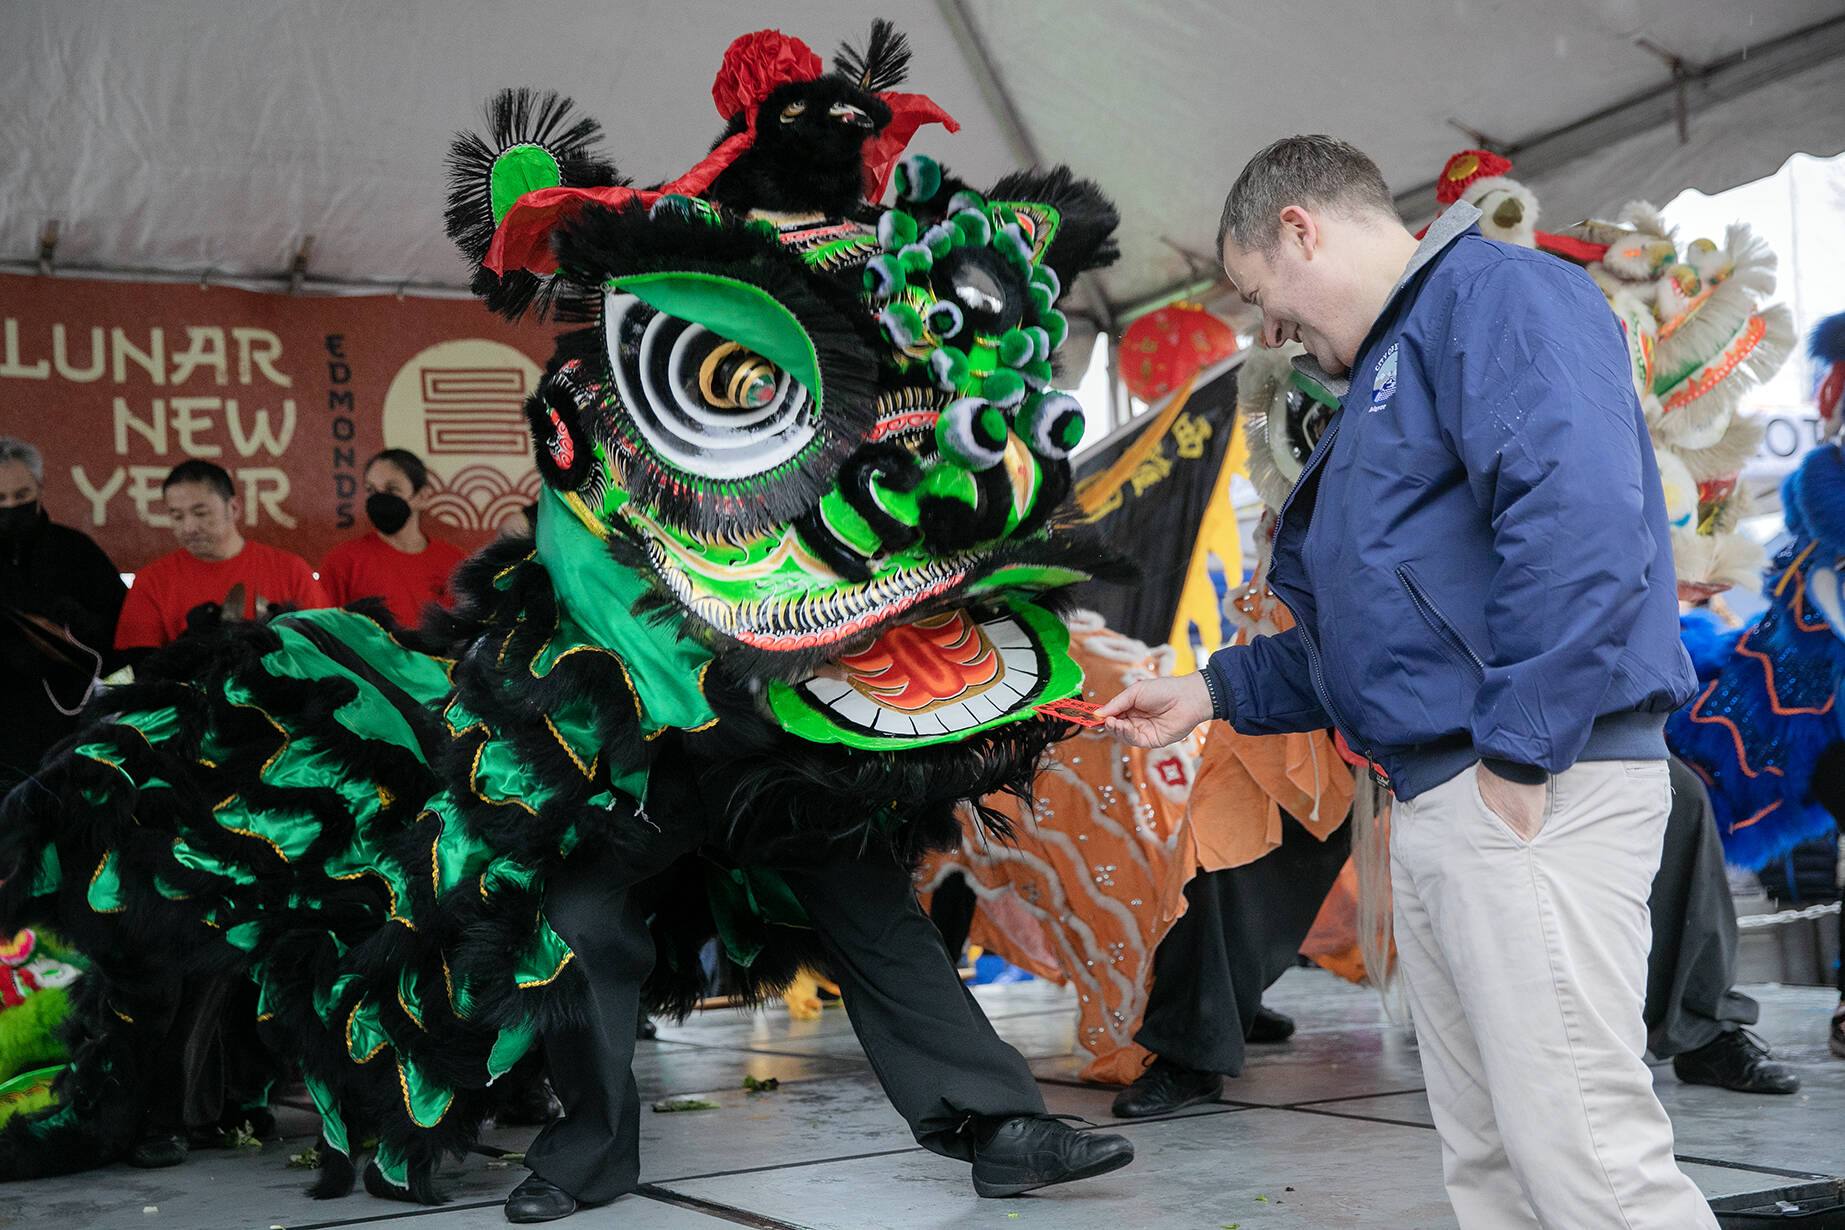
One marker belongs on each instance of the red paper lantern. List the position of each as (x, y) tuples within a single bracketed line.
[(1164, 349)]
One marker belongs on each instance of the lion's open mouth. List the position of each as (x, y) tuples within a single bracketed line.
[(948, 673), (812, 617), (775, 595)]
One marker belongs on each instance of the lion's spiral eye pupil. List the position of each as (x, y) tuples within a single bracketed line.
[(752, 388), (734, 378)]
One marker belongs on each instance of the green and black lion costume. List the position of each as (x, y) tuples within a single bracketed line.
[(805, 508)]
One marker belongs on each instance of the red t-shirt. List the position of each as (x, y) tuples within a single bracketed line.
[(154, 613), (370, 567)]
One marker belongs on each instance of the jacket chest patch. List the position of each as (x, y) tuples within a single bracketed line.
[(1384, 379)]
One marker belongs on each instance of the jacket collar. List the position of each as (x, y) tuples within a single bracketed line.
[(1454, 223)]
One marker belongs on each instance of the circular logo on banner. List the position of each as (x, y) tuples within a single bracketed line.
[(459, 405)]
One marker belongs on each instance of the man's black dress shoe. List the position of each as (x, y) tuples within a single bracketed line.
[(1165, 1087), (1736, 1060), (1027, 1152), (538, 1199)]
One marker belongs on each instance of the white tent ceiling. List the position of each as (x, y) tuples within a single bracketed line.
[(186, 136)]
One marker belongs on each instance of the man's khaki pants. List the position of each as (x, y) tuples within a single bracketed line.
[(1525, 967)]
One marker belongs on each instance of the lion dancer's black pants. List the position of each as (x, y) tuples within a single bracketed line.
[(1241, 930), (933, 1050)]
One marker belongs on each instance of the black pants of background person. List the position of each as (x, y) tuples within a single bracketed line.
[(1689, 999), (205, 1069), (1827, 786), (932, 1049), (1242, 929)]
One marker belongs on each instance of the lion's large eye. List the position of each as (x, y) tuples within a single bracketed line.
[(704, 404), (793, 110), (733, 378)]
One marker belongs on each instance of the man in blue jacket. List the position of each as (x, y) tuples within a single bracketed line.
[(1478, 563)]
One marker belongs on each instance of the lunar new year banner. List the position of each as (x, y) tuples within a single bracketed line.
[(116, 383)]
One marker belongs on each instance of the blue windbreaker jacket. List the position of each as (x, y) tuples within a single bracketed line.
[(1477, 553)]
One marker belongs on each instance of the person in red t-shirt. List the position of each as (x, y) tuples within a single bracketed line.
[(213, 559), (396, 561)]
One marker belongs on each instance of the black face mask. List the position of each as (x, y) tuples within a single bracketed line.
[(16, 520), (389, 513)]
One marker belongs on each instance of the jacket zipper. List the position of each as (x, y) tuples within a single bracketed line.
[(1319, 689), (1437, 623), (1314, 670), (1385, 320)]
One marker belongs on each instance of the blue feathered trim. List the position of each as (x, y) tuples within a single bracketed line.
[(1758, 726), (1710, 642), (1826, 344), (1814, 496)]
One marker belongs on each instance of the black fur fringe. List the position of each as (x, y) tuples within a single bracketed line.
[(337, 1173), (1085, 237), (769, 799)]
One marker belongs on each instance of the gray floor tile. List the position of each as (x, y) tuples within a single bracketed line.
[(797, 1123), (667, 1069), (1801, 1131), (825, 1149), (1203, 1172), (811, 1121), (628, 1213), (1036, 1017), (1410, 1108), (1328, 1062)]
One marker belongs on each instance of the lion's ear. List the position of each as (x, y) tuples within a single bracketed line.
[(535, 140)]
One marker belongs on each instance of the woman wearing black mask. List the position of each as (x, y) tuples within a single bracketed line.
[(396, 561), (59, 600)]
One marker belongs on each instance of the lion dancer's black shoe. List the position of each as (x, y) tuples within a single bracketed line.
[(523, 1097), (157, 1149), (1026, 1152), (1165, 1086), (538, 1199)]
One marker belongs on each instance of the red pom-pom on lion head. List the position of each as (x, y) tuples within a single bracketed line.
[(755, 64)]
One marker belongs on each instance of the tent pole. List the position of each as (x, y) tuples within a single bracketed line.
[(262, 282), (1687, 89), (1675, 102)]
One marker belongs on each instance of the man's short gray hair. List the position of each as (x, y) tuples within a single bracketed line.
[(12, 448), (1318, 170)]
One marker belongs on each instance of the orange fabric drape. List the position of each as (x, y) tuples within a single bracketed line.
[(1097, 875)]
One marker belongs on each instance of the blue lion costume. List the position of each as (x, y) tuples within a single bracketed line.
[(1765, 731)]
